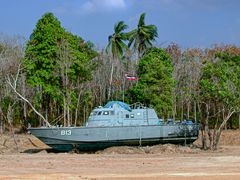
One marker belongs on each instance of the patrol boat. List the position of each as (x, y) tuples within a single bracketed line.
[(116, 124)]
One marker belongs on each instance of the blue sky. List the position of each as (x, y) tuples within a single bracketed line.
[(189, 23)]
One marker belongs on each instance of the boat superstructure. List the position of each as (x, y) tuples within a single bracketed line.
[(116, 113)]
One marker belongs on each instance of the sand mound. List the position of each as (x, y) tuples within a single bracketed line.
[(168, 148), (22, 142), (121, 150), (157, 149)]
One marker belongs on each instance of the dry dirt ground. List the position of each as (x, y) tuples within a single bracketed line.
[(26, 159)]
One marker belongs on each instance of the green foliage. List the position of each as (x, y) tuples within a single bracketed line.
[(155, 83), (79, 55), (220, 81), (41, 53), (42, 50)]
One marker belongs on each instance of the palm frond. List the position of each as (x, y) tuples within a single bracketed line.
[(120, 26), (116, 40), (141, 21), (142, 36)]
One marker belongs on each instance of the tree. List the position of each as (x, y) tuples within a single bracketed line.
[(219, 90), (75, 68), (187, 69), (116, 47), (41, 60), (142, 37), (12, 111), (57, 63), (155, 83)]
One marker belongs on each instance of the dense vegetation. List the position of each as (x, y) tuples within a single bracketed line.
[(63, 77)]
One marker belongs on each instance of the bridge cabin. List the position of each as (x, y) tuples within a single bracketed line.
[(117, 113)]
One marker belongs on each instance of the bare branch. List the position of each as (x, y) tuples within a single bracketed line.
[(14, 88)]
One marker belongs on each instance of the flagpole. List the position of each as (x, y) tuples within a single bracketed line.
[(130, 78), (123, 87)]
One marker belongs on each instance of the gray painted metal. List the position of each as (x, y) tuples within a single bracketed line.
[(117, 125)]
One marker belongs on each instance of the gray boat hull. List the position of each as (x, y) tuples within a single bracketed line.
[(94, 138)]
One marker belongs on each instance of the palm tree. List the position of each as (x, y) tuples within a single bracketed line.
[(116, 47), (142, 37)]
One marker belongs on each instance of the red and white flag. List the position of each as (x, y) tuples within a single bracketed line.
[(130, 77)]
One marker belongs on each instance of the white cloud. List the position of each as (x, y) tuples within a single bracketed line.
[(91, 6), (114, 3)]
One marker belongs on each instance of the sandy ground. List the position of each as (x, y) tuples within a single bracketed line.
[(30, 161)]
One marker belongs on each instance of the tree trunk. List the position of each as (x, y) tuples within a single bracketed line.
[(24, 125), (68, 103), (84, 113), (76, 110), (41, 104), (188, 109), (215, 132), (206, 129), (219, 131), (239, 120), (223, 115), (68, 116), (1, 121), (137, 57), (195, 112), (174, 106), (182, 111), (64, 112), (10, 118), (110, 84)]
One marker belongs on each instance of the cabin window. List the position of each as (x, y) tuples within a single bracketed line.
[(112, 113), (127, 115), (99, 113), (105, 112), (138, 114), (132, 115), (95, 113)]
